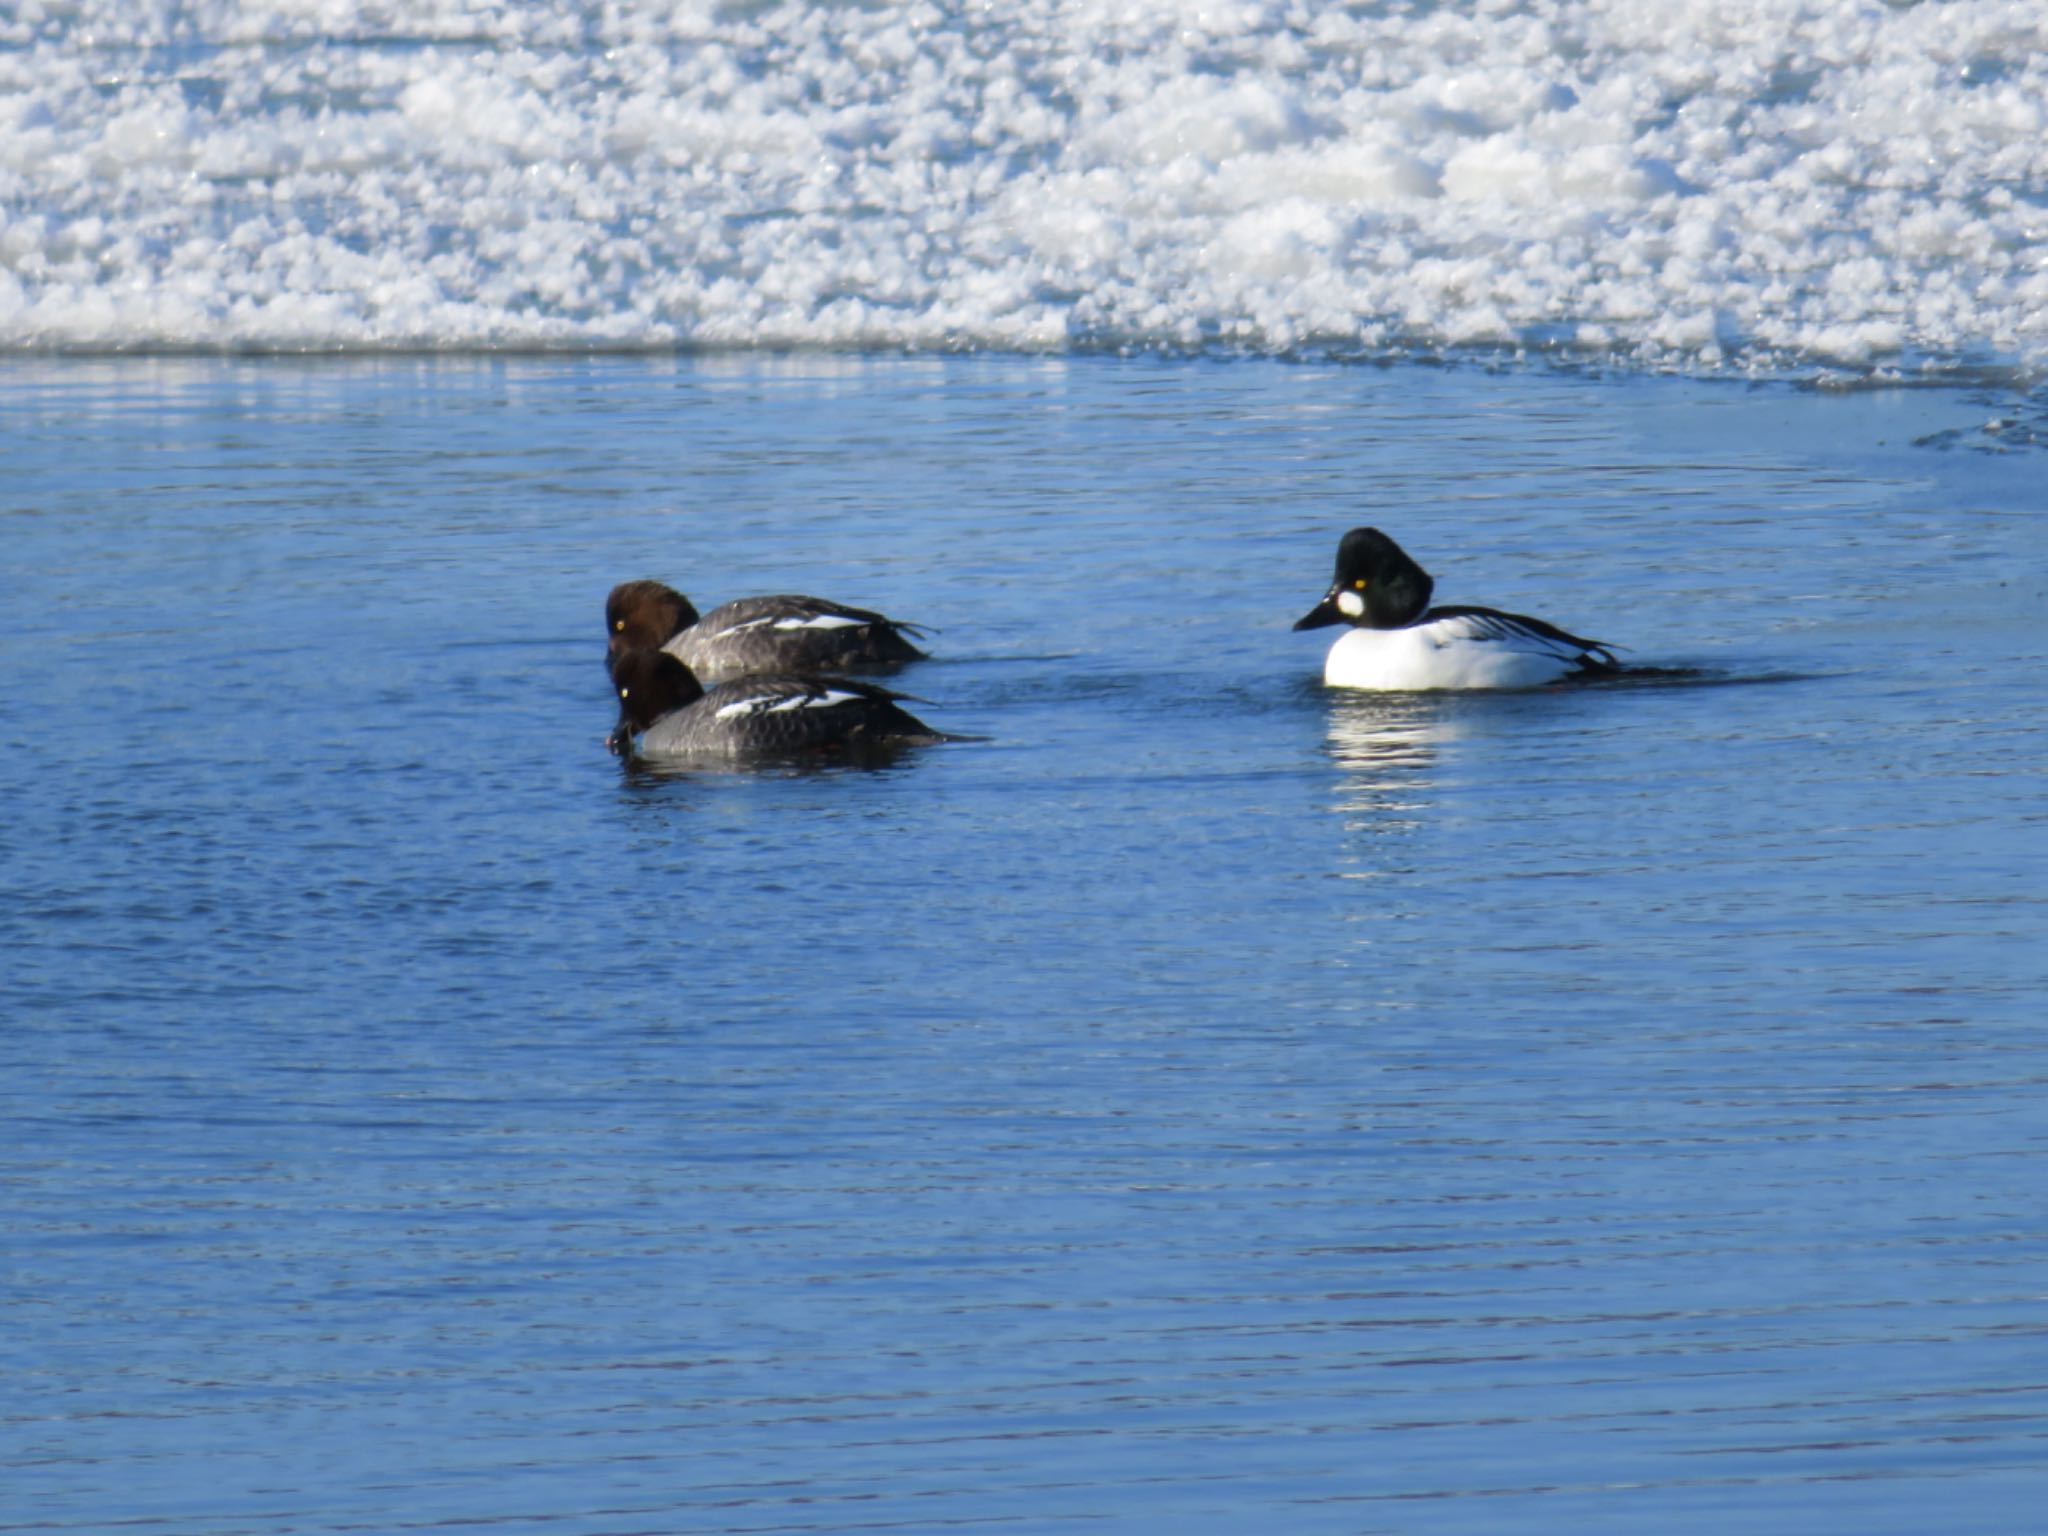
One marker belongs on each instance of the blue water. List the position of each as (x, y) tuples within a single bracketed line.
[(1208, 1104)]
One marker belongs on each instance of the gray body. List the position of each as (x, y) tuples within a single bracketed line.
[(781, 634)]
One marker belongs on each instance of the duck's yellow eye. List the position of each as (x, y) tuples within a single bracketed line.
[(625, 692), (620, 626), (1359, 585)]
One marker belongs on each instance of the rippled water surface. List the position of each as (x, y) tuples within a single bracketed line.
[(1209, 1104)]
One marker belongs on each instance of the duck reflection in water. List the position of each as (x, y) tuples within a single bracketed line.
[(1387, 747)]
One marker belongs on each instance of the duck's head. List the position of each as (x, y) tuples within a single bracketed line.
[(649, 684), (644, 615), (1378, 585)]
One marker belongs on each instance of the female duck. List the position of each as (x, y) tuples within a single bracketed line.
[(753, 634), (672, 715), (1398, 642)]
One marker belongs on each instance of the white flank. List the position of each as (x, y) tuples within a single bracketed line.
[(1460, 652), (821, 621)]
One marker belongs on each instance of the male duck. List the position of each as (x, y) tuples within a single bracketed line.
[(1398, 642)]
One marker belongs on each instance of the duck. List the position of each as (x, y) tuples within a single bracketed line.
[(1399, 643), (665, 712), (785, 633)]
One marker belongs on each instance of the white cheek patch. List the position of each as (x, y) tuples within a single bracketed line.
[(1350, 604)]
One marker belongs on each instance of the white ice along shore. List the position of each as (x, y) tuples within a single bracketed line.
[(1741, 184)]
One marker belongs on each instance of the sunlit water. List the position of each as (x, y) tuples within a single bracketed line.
[(1209, 1104)]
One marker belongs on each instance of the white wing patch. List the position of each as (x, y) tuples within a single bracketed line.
[(794, 621), (773, 704)]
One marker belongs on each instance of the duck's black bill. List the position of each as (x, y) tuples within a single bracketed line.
[(1323, 613)]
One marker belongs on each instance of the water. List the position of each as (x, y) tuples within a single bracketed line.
[(1206, 1103), (1209, 1102)]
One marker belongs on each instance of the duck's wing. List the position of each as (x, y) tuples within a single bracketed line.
[(791, 633), (1519, 633), (797, 713)]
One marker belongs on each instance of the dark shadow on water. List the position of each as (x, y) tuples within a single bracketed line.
[(882, 757), (1129, 696), (1631, 678), (1681, 677), (2011, 427)]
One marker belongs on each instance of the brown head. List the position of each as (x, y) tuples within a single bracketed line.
[(649, 684), (644, 616)]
